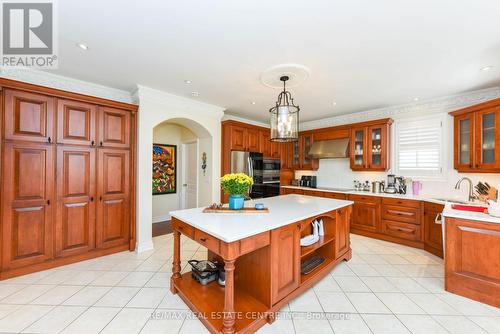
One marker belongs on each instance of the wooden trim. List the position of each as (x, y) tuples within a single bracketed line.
[(57, 262), (476, 107), (14, 84), (380, 236)]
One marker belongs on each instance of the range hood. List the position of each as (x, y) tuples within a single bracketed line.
[(328, 149)]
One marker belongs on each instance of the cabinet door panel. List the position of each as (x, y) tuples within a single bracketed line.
[(358, 149), (114, 127), (342, 223), (365, 216), (433, 235), (113, 226), (75, 220), (285, 259), (265, 143), (253, 140), (28, 116), (377, 148), (238, 138), (463, 142), (487, 139), (76, 122), (26, 204)]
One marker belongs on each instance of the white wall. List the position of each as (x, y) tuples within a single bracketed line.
[(337, 173), (171, 134), (156, 107)]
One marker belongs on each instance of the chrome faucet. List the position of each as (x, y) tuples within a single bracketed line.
[(471, 195)]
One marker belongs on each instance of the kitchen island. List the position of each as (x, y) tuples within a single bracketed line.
[(262, 258)]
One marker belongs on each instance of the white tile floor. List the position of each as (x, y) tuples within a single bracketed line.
[(385, 288)]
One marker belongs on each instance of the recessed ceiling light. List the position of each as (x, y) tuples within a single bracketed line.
[(253, 102), (82, 46), (486, 68), (415, 99), (334, 104), (187, 82), (195, 94)]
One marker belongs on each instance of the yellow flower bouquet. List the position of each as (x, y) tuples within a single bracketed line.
[(236, 185)]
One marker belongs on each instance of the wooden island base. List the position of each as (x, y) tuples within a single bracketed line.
[(262, 271)]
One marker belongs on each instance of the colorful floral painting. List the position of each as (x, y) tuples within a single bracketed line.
[(164, 169)]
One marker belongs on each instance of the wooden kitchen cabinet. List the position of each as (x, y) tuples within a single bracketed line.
[(27, 204), (75, 217), (28, 116), (265, 143), (115, 127), (365, 213), (342, 230), (253, 140), (61, 153), (370, 146), (113, 210), (477, 138), (433, 234), (285, 249), (287, 156), (77, 123), (300, 152)]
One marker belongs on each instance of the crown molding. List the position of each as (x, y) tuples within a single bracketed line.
[(65, 83), (230, 117), (145, 94), (432, 106)]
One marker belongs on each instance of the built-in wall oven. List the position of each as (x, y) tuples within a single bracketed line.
[(271, 177)]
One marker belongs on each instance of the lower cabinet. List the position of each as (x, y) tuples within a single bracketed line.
[(342, 230), (112, 225), (285, 248), (365, 213), (433, 233), (401, 230), (27, 204), (75, 218)]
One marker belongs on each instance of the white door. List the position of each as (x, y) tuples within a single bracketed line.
[(190, 172)]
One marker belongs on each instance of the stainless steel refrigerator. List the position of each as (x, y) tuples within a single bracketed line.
[(251, 164)]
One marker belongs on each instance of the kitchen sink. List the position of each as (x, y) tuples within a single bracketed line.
[(452, 200)]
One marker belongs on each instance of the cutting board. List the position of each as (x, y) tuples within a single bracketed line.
[(228, 210)]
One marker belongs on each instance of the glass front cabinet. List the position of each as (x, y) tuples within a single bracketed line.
[(370, 146), (477, 138)]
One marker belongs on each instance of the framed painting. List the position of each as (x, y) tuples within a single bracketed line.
[(164, 169)]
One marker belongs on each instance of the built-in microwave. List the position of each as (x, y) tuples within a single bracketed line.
[(271, 170)]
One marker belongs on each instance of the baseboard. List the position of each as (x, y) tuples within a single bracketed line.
[(144, 246), (159, 219)]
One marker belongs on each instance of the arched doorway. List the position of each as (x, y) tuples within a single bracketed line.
[(156, 107)]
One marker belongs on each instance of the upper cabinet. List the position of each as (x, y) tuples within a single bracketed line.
[(370, 146), (114, 127), (243, 138), (300, 152), (29, 116), (76, 123), (477, 138)]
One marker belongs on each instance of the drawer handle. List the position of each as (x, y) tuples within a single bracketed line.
[(203, 239)]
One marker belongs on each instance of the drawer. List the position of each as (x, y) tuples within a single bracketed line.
[(401, 202), (402, 230), (207, 240), (295, 191), (434, 207), (334, 195), (184, 228), (401, 214), (312, 192), (365, 198)]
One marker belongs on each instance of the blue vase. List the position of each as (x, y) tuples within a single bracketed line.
[(236, 202)]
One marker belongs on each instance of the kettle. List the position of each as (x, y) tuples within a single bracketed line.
[(378, 187)]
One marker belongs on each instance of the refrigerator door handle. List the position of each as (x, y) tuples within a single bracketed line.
[(250, 173)]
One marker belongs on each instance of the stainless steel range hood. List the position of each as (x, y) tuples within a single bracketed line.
[(328, 149)]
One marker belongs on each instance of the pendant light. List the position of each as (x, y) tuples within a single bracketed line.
[(284, 117)]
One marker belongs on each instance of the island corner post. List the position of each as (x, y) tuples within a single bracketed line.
[(262, 271)]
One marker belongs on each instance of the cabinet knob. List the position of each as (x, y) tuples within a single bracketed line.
[(203, 239), (91, 199), (100, 144), (92, 143), (477, 165), (48, 202), (49, 140), (100, 198), (298, 226)]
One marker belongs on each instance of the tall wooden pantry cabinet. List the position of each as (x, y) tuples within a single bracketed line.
[(67, 177)]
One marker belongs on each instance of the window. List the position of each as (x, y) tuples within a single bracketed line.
[(419, 147)]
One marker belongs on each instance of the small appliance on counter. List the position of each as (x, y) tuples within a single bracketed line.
[(390, 188), (401, 185), (360, 186), (309, 181), (378, 187)]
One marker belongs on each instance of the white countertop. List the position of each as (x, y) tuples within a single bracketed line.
[(283, 210), (448, 212), (369, 193)]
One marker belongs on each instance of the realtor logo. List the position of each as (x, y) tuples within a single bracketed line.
[(28, 34)]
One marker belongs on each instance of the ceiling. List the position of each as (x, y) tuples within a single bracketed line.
[(362, 54)]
